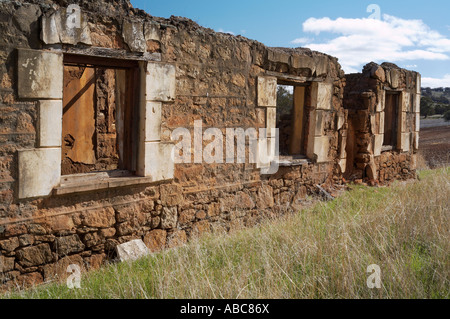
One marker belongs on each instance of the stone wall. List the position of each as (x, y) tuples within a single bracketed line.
[(366, 102), (185, 73)]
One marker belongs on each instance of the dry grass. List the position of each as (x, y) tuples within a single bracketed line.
[(322, 252)]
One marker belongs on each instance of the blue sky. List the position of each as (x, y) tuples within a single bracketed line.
[(413, 34)]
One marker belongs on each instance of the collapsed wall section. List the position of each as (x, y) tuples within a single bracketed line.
[(383, 104)]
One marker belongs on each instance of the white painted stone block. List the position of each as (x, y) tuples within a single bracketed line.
[(151, 121), (40, 74), (271, 118), (66, 25), (381, 100), (417, 122), (152, 31), (320, 123), (418, 84), (416, 140), (132, 251), (50, 123), (166, 162), (394, 78), (156, 160), (324, 96), (39, 171), (133, 35), (382, 122), (321, 149), (378, 144), (342, 146), (405, 142), (417, 103), (402, 120), (267, 91), (160, 82), (343, 165), (406, 100)]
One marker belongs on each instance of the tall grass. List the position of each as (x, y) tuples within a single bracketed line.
[(321, 252)]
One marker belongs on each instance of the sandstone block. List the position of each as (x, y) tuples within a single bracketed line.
[(171, 195), (176, 239), (133, 35), (394, 78), (102, 218), (416, 108), (156, 240), (40, 74), (6, 264), (378, 144), (34, 255), (416, 140), (50, 123), (39, 171), (267, 91), (151, 122), (377, 72), (418, 84), (66, 25), (132, 250), (381, 101), (10, 244), (169, 218), (68, 245), (58, 270), (324, 93), (160, 82), (152, 31), (156, 160)]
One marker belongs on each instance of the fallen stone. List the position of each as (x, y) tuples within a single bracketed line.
[(132, 250)]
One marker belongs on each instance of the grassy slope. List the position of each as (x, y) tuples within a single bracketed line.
[(322, 252)]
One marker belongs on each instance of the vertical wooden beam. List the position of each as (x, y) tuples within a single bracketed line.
[(298, 117)]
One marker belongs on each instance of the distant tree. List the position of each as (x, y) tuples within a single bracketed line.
[(447, 116), (426, 107), (285, 101), (441, 108), (428, 91)]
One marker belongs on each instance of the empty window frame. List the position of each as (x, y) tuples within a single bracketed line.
[(391, 119), (291, 119), (100, 107)]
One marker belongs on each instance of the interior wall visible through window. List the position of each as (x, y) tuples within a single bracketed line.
[(291, 119), (98, 119)]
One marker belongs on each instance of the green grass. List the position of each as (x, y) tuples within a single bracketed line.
[(321, 252)]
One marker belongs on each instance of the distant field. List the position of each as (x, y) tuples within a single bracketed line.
[(433, 121), (321, 252), (434, 146)]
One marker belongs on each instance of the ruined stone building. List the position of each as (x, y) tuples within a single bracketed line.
[(91, 93)]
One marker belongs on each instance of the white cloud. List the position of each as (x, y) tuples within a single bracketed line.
[(301, 40), (223, 31), (435, 83), (392, 39)]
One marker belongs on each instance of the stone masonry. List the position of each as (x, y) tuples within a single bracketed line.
[(169, 73)]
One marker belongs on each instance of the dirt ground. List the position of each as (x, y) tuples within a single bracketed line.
[(435, 145)]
